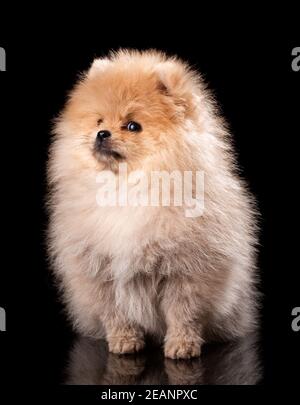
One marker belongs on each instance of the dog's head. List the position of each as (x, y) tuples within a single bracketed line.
[(130, 106)]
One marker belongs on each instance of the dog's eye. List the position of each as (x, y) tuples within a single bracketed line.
[(133, 126), (100, 120)]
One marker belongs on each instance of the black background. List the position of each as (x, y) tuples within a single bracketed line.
[(248, 65)]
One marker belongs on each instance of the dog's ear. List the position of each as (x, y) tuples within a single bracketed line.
[(98, 65), (175, 81)]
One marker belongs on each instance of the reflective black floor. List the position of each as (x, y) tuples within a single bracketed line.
[(233, 363)]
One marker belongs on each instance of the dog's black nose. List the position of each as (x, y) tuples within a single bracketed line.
[(103, 134)]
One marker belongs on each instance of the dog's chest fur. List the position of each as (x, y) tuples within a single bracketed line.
[(128, 238), (139, 300)]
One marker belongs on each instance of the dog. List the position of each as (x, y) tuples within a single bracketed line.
[(131, 271)]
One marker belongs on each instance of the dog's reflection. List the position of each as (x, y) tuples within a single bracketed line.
[(232, 363)]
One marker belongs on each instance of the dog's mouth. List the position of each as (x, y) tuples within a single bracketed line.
[(106, 152)]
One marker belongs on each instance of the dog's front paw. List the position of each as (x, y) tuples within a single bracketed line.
[(125, 344), (182, 348)]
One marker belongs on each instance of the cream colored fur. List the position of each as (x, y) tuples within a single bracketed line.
[(128, 271)]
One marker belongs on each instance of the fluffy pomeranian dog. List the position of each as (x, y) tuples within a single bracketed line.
[(127, 272)]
